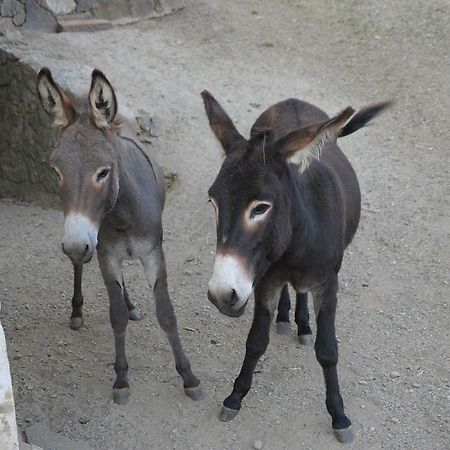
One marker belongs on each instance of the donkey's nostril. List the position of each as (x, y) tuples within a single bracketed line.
[(233, 298), (86, 249), (62, 248)]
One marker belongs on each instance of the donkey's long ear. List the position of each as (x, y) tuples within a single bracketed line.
[(102, 100), (221, 124), (305, 144), (53, 100)]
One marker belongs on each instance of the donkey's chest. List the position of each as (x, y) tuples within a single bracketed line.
[(129, 247)]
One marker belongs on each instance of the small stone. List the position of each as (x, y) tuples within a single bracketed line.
[(362, 382), (84, 420), (258, 445), (395, 420), (59, 7), (416, 385), (19, 19), (394, 374)]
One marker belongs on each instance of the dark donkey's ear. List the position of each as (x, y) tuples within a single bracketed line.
[(305, 144), (221, 124), (102, 100), (53, 100)]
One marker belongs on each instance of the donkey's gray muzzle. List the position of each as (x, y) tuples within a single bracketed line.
[(227, 305)]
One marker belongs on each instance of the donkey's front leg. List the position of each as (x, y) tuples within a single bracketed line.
[(325, 301), (76, 319), (155, 270), (111, 269), (257, 342)]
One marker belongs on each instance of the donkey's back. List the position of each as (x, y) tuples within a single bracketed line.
[(338, 186)]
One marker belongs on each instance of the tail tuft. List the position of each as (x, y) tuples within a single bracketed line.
[(363, 117)]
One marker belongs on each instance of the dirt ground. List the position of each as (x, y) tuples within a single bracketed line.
[(393, 316)]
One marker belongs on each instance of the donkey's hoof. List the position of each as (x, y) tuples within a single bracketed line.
[(227, 414), (76, 322), (306, 339), (134, 314), (121, 396), (283, 328), (344, 435), (195, 393)]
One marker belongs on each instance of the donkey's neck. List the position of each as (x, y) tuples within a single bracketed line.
[(141, 195)]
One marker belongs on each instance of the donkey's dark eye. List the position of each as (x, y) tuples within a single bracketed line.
[(102, 174), (259, 209), (58, 175)]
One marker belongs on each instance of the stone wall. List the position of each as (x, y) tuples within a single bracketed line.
[(43, 15), (26, 137)]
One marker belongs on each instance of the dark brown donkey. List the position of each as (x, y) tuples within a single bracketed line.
[(287, 204), (113, 195)]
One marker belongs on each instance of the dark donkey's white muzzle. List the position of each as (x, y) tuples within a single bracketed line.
[(80, 238), (231, 285)]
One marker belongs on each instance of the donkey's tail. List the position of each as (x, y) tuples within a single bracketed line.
[(363, 117)]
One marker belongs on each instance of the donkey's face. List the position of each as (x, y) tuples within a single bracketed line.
[(251, 205), (252, 216), (84, 161)]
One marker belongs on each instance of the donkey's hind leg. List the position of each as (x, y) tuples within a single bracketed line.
[(76, 319), (302, 319), (325, 300), (284, 305), (155, 270), (133, 312)]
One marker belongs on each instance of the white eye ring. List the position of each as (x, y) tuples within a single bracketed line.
[(258, 210), (216, 208)]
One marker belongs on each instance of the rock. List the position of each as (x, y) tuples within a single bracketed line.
[(148, 125), (83, 25), (11, 7), (19, 19), (38, 18), (142, 8), (59, 7), (395, 420), (362, 382), (394, 374), (84, 420), (258, 445)]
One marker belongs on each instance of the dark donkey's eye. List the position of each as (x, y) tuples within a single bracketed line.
[(58, 173), (259, 209), (102, 174)]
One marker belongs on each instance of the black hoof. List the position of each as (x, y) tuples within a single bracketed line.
[(194, 393), (306, 339), (121, 396), (134, 314), (76, 322), (344, 435), (283, 328), (227, 414)]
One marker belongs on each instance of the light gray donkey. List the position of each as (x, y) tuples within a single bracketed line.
[(113, 196)]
